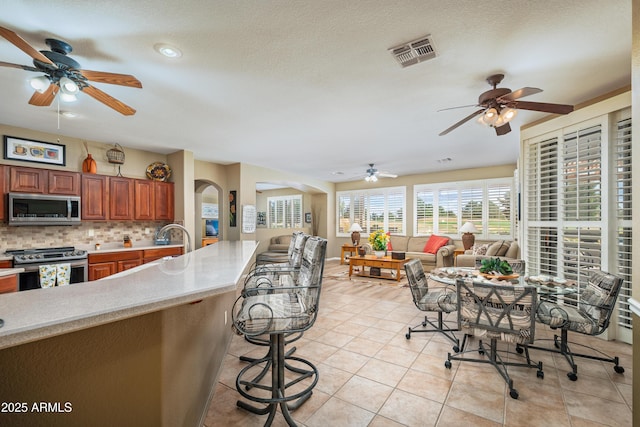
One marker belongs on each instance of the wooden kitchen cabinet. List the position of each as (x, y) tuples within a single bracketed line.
[(108, 263), (150, 255), (101, 269), (28, 180), (121, 198), (164, 194), (63, 182), (95, 197), (144, 204), (9, 284), (6, 264)]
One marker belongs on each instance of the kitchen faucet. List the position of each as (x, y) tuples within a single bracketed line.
[(163, 231)]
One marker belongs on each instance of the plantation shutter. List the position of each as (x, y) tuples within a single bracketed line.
[(499, 208), (623, 192), (471, 206), (424, 211), (448, 211), (395, 211)]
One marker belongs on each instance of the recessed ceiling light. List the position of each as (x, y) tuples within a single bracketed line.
[(337, 173), (445, 160), (167, 50), (69, 114)]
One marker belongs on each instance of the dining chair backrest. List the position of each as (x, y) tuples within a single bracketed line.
[(417, 279), (312, 268), (295, 255), (598, 297), (494, 310)]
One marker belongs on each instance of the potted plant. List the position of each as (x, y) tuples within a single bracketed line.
[(379, 240)]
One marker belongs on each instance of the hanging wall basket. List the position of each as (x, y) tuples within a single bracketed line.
[(116, 155)]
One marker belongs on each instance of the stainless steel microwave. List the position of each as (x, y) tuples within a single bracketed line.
[(43, 209)]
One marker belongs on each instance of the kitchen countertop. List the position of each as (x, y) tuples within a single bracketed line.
[(10, 271), (42, 313)]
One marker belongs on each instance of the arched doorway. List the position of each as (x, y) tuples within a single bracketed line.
[(207, 211)]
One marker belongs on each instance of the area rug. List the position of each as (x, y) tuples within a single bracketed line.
[(333, 270)]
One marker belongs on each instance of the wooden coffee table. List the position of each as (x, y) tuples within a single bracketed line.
[(372, 261)]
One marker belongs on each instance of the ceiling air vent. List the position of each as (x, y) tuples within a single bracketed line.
[(411, 53)]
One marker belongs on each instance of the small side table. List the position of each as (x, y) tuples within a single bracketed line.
[(457, 252), (350, 249)]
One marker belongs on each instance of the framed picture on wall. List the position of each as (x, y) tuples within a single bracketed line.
[(232, 208), (27, 150), (307, 217)]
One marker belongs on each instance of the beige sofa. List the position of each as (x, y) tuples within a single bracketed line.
[(503, 249), (414, 248), (280, 243)]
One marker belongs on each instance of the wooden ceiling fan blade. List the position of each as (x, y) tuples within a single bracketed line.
[(45, 98), (503, 130), (108, 100), (520, 93), (461, 122), (22, 67), (21, 44), (111, 78), (544, 107)]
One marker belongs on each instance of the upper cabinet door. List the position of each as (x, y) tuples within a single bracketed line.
[(144, 200), (28, 180), (120, 198), (95, 197), (62, 182), (164, 200)]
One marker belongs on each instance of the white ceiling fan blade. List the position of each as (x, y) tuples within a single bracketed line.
[(387, 175)]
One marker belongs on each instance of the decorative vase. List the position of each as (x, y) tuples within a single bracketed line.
[(379, 254), (89, 165)]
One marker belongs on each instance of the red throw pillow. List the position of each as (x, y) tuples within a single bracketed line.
[(434, 243), (389, 247)]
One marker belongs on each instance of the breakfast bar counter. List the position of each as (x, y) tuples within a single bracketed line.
[(142, 347)]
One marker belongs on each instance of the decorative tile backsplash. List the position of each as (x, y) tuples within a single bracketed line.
[(52, 236)]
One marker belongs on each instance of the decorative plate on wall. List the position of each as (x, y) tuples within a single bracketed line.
[(158, 171)]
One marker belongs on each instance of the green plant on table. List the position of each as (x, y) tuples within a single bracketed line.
[(495, 266)]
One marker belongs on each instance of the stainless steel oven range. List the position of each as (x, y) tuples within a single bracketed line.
[(32, 259)]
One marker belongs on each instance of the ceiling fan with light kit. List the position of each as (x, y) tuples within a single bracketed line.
[(372, 174), (62, 74), (499, 106)]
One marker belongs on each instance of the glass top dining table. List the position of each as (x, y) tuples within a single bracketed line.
[(545, 285)]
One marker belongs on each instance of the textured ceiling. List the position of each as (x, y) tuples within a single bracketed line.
[(310, 87)]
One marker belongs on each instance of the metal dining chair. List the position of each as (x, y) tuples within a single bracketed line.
[(440, 299), (495, 312), (588, 314)]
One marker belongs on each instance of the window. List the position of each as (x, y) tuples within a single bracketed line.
[(443, 208), (578, 204), (380, 208), (284, 211)]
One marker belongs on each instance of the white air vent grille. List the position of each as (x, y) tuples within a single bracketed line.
[(414, 52)]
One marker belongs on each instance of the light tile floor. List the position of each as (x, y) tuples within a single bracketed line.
[(371, 375)]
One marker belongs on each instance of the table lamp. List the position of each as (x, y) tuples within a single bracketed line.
[(468, 239), (355, 233)]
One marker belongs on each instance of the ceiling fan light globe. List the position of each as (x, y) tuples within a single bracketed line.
[(68, 86), (490, 116), (40, 83), (508, 114)]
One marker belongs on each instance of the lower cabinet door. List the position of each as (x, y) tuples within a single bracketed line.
[(102, 269)]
